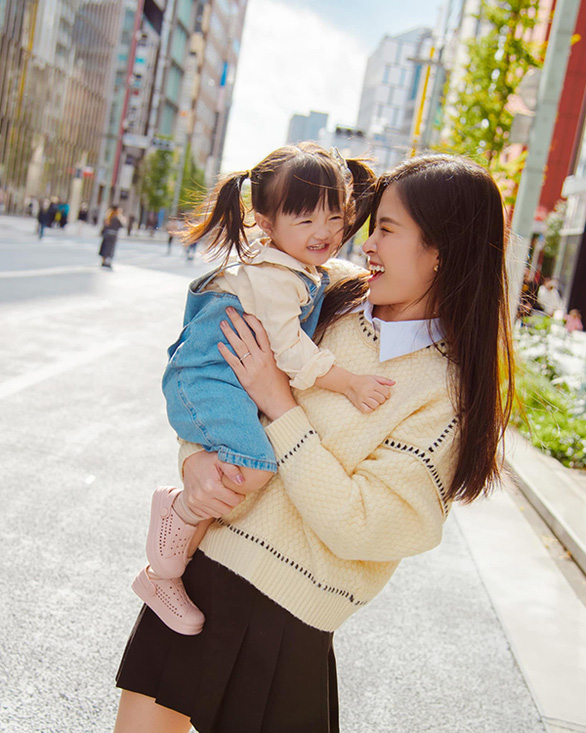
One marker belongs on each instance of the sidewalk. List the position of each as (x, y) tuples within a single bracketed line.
[(541, 613), (484, 634)]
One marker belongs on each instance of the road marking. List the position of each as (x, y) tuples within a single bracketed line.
[(66, 270), (24, 381)]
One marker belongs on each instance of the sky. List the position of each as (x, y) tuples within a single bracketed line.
[(303, 55)]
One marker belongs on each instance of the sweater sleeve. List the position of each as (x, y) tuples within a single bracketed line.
[(274, 295), (390, 507)]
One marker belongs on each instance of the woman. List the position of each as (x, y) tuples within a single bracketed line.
[(112, 223), (355, 493)]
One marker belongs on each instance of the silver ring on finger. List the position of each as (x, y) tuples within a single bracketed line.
[(241, 358)]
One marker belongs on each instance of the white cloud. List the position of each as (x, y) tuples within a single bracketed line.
[(291, 61)]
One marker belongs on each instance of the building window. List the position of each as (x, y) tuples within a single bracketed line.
[(402, 77), (391, 94), (184, 12), (167, 120), (415, 85), (173, 87), (178, 45), (386, 74)]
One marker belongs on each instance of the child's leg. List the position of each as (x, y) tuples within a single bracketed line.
[(171, 529)]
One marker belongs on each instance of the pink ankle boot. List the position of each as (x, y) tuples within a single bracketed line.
[(168, 599), (169, 536)]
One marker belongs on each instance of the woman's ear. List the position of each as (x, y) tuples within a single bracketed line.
[(264, 223)]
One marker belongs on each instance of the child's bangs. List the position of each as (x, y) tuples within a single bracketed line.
[(308, 184)]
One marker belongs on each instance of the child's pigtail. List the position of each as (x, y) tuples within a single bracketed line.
[(225, 216), (363, 186)]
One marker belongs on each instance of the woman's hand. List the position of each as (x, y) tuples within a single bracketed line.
[(204, 490), (255, 366)]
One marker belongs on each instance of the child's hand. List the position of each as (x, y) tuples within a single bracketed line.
[(367, 392)]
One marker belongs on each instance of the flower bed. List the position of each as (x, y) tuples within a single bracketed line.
[(550, 397)]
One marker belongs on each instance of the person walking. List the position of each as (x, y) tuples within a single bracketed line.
[(112, 224), (43, 218), (64, 214), (283, 567), (53, 211)]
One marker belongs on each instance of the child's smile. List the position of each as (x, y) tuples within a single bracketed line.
[(311, 238)]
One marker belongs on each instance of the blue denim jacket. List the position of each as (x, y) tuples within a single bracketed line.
[(205, 402)]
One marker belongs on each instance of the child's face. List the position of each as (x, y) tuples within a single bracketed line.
[(310, 238)]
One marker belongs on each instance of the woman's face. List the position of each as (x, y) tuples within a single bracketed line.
[(401, 265)]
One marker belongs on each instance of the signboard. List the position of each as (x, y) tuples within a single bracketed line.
[(129, 140)]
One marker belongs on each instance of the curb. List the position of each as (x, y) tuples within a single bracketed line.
[(553, 490)]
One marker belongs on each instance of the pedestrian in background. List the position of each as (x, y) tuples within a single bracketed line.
[(574, 321), (354, 493), (151, 222), (549, 298), (174, 226), (112, 224), (53, 211), (43, 217), (64, 214)]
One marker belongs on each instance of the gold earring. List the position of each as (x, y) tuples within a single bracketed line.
[(436, 268)]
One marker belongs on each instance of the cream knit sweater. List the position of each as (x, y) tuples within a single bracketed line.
[(354, 493)]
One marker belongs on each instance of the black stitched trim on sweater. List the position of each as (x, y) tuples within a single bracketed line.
[(367, 329), (422, 455), (295, 448), (443, 436), (288, 561)]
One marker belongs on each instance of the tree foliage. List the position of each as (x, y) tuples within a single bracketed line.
[(554, 222), (193, 185), (157, 179), (498, 60)]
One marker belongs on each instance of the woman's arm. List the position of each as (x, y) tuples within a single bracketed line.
[(389, 507)]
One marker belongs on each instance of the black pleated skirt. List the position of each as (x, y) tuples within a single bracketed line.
[(255, 668)]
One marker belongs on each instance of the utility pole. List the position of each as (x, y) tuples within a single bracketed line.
[(548, 96)]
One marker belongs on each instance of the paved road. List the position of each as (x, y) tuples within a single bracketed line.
[(85, 441)]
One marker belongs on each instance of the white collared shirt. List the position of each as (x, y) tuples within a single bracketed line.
[(398, 338)]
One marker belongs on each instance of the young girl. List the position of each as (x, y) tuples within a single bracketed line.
[(308, 202)]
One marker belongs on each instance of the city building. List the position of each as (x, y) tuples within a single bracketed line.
[(390, 94), (55, 61), (176, 66), (307, 127), (219, 25)]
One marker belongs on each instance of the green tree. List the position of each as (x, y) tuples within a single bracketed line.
[(193, 185), (498, 59), (157, 179)]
